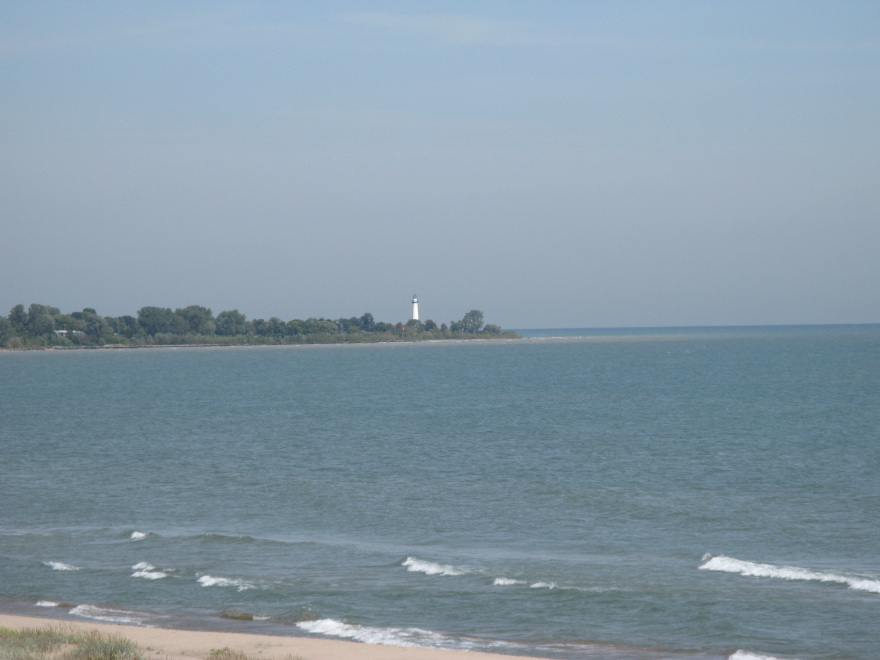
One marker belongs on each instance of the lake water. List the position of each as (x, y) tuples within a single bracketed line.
[(631, 494)]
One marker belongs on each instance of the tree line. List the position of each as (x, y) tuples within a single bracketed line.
[(43, 326)]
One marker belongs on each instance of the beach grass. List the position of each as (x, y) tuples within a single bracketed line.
[(229, 654), (68, 643), (65, 643)]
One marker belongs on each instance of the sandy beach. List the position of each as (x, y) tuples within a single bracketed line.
[(187, 645)]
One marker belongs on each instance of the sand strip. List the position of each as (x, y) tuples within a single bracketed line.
[(164, 644)]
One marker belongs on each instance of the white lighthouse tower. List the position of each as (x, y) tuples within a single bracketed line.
[(415, 314)]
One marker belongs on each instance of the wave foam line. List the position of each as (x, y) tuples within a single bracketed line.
[(108, 615), (753, 569), (417, 637), (413, 637), (60, 566), (208, 581), (431, 568), (147, 571), (748, 655), (543, 585)]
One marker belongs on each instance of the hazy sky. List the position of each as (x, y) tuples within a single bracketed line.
[(553, 164)]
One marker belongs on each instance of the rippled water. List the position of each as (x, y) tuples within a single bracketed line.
[(698, 493)]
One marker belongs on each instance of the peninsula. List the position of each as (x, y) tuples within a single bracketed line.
[(43, 326)]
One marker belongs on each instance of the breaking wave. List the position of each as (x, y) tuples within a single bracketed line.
[(748, 655), (109, 615), (431, 568), (147, 571), (543, 585), (753, 569), (417, 637), (138, 536), (209, 581), (60, 566), (386, 636)]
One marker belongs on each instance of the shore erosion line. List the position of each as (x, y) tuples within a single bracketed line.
[(167, 644)]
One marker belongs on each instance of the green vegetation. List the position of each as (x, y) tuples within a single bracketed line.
[(68, 643), (42, 326), (228, 654), (64, 644)]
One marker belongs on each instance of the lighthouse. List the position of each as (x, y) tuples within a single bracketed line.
[(415, 314)]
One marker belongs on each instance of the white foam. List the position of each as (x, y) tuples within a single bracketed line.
[(543, 585), (753, 569), (60, 566), (368, 635), (430, 568), (138, 536), (506, 582), (748, 655), (209, 581), (47, 603), (106, 614), (149, 575), (147, 571)]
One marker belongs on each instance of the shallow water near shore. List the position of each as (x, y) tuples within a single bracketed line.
[(664, 493)]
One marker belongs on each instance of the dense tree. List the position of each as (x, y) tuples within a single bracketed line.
[(472, 321), (313, 326), (97, 328), (276, 327), (18, 317), (40, 325), (69, 322), (352, 324), (7, 331), (231, 322), (295, 327), (260, 327), (41, 320), (127, 326), (42, 310), (156, 320), (199, 320)]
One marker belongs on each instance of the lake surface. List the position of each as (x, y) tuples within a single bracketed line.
[(630, 494)]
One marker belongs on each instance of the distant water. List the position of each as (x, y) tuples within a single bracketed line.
[(701, 493)]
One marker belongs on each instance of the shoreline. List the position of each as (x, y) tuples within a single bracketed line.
[(117, 347), (174, 644)]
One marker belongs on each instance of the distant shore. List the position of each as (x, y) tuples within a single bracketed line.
[(168, 644), (504, 336)]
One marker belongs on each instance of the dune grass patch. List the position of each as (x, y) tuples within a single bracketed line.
[(60, 643), (69, 643), (230, 654)]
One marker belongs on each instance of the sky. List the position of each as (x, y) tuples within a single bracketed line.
[(566, 164)]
